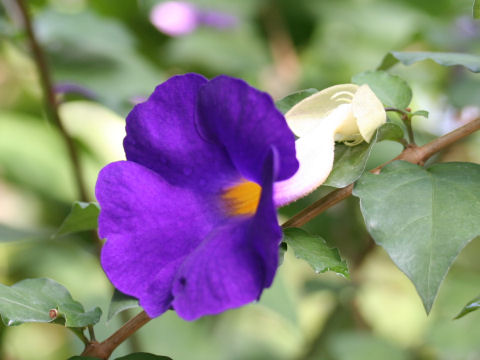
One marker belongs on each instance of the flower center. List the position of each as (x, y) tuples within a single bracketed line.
[(243, 198)]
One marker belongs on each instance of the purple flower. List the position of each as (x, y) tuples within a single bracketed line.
[(177, 18), (189, 218)]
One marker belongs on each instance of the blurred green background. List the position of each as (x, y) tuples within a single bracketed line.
[(111, 48)]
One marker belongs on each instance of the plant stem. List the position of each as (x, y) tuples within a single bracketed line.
[(104, 349), (51, 105), (79, 333), (318, 207), (414, 154), (407, 120), (401, 112), (133, 341), (91, 332)]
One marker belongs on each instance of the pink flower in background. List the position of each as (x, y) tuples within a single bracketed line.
[(177, 18)]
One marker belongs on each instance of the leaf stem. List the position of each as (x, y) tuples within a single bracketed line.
[(79, 333), (414, 154), (104, 349), (407, 120), (400, 111), (51, 105), (318, 207), (91, 333)]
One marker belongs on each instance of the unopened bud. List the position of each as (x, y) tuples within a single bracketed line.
[(53, 313)]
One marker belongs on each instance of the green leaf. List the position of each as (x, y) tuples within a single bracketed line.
[(476, 9), (315, 251), (120, 302), (143, 356), (350, 161), (471, 306), (349, 164), (8, 234), (471, 62), (422, 217), (82, 217), (423, 113), (390, 89), (390, 131), (31, 300), (289, 101)]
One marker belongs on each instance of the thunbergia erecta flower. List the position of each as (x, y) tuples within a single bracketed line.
[(177, 18), (346, 113), (189, 219)]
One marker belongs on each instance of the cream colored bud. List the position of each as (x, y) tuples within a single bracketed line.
[(348, 113)]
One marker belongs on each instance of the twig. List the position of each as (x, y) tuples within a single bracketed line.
[(50, 101), (444, 141), (91, 333), (133, 340), (414, 154), (104, 349), (318, 207), (79, 333), (407, 120)]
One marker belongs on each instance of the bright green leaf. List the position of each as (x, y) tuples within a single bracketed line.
[(315, 251), (350, 161), (471, 306), (83, 216), (423, 113), (422, 217), (390, 131), (143, 356), (471, 62), (289, 101), (120, 302), (31, 300), (476, 9), (349, 164), (390, 89)]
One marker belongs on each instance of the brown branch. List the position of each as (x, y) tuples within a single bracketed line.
[(414, 154), (446, 140), (104, 349), (318, 207), (51, 105)]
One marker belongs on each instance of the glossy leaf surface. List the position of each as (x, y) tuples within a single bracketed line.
[(31, 300), (315, 251), (422, 217), (390, 89), (289, 101), (350, 161), (120, 302), (82, 217), (470, 61), (471, 306)]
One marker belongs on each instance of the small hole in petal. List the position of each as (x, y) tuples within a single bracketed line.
[(182, 281)]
